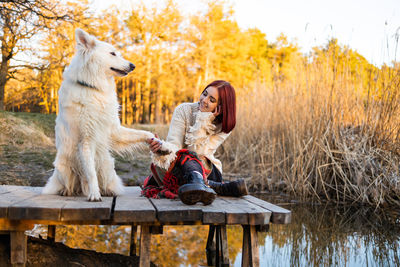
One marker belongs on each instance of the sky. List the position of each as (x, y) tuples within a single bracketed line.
[(370, 27)]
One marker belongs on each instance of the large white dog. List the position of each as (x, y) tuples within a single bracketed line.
[(88, 126)]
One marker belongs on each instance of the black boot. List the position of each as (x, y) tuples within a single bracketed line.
[(236, 188), (194, 190)]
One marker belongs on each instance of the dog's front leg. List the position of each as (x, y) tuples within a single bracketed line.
[(125, 139), (86, 155)]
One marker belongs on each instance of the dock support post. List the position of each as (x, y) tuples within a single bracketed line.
[(250, 254), (224, 247), (217, 246), (145, 238), (132, 248), (51, 233), (18, 242), (210, 247)]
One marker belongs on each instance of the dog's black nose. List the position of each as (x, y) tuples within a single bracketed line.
[(131, 66)]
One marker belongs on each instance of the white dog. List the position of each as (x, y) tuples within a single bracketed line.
[(88, 126)]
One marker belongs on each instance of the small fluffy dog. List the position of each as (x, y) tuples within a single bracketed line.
[(88, 126)]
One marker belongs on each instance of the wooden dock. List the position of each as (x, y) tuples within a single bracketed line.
[(22, 207)]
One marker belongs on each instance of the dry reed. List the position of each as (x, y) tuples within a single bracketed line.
[(322, 137)]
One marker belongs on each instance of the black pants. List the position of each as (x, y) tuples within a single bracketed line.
[(183, 167)]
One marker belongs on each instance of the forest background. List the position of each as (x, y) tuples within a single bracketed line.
[(324, 124)]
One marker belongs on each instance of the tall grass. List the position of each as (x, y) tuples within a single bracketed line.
[(322, 136)]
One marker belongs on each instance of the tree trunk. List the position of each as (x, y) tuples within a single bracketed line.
[(146, 94), (157, 95), (3, 80), (7, 45)]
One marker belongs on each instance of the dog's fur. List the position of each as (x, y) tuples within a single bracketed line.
[(88, 126)]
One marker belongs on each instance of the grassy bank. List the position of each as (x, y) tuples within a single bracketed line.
[(27, 151)]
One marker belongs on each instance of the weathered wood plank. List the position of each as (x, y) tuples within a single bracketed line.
[(39, 207), (214, 213), (233, 214), (15, 194), (78, 208), (12, 225), (279, 215), (8, 188), (240, 211), (133, 208), (174, 211)]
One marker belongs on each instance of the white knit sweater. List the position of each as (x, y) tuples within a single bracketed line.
[(193, 130)]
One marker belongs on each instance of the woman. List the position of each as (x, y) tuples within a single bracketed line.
[(185, 162)]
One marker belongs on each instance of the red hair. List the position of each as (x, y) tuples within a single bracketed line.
[(227, 101)]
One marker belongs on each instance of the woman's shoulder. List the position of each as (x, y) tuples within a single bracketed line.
[(187, 107)]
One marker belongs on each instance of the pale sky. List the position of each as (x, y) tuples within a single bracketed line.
[(367, 26)]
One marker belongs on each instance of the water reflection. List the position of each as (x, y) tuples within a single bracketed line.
[(319, 235), (334, 236)]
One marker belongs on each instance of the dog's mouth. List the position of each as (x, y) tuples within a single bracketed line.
[(120, 72)]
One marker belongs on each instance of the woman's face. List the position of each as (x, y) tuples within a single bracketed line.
[(209, 99)]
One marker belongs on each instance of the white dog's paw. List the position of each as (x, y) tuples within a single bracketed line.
[(48, 190), (51, 188), (94, 196), (115, 188), (165, 149)]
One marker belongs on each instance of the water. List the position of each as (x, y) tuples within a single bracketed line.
[(319, 235)]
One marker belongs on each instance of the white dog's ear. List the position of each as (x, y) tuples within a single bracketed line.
[(84, 39)]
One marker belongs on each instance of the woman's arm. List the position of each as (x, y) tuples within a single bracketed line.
[(174, 141)]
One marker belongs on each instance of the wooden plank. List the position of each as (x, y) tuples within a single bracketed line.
[(39, 207), (18, 248), (8, 188), (174, 211), (12, 225), (79, 209), (234, 214), (279, 215), (145, 238), (214, 213), (240, 211), (133, 208), (15, 194)]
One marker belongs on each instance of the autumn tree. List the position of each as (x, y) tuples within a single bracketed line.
[(58, 47), (158, 50), (20, 22)]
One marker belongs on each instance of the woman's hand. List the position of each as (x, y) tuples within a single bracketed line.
[(154, 144)]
